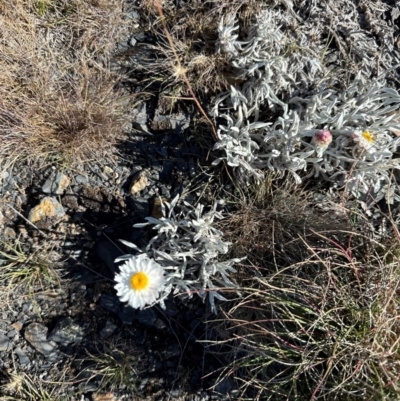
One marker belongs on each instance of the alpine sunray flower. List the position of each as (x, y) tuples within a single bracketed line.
[(140, 281)]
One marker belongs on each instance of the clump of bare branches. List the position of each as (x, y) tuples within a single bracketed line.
[(58, 100)]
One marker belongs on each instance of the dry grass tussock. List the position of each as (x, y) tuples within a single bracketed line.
[(269, 218), (194, 29), (57, 98), (319, 315)]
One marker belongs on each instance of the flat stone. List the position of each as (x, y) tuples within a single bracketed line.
[(81, 179), (56, 185), (4, 176), (162, 150), (23, 358), (141, 207), (133, 41), (141, 116), (36, 335), (110, 302), (126, 314), (108, 329), (108, 252), (4, 342), (48, 207), (133, 15), (147, 317), (66, 332), (170, 308), (165, 191), (160, 324), (167, 168), (17, 326), (138, 183)]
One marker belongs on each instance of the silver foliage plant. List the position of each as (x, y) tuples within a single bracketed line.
[(187, 246), (348, 138)]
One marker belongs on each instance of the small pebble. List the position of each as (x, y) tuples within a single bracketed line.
[(81, 179), (4, 342), (23, 358)]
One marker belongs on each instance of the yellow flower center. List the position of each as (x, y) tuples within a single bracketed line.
[(139, 281), (368, 136)]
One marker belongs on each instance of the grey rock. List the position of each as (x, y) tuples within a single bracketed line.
[(78, 216), (171, 351), (36, 335), (81, 179), (4, 342), (27, 306), (225, 386), (12, 333), (147, 317), (156, 165), (140, 36), (167, 168), (110, 302), (132, 41), (141, 119), (133, 15), (141, 207), (164, 191), (85, 276), (141, 116), (181, 164), (108, 252), (159, 118), (170, 308), (160, 324), (126, 314), (23, 358), (4, 176), (56, 185), (66, 332), (122, 47), (162, 150), (108, 329), (179, 122)]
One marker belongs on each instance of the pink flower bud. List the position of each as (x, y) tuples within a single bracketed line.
[(323, 137)]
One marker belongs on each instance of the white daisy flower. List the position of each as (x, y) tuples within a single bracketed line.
[(365, 139), (140, 281)]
